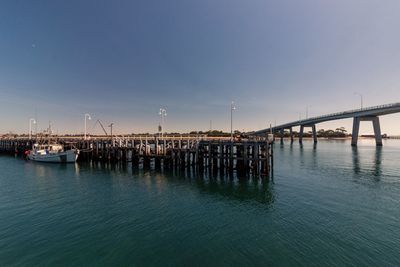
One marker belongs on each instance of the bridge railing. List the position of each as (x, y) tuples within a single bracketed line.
[(299, 122)]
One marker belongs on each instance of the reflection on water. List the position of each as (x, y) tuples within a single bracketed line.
[(223, 184), (232, 187), (373, 166), (45, 170), (356, 160), (227, 185), (328, 203), (378, 162)]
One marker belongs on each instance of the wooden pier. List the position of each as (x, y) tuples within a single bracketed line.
[(253, 156)]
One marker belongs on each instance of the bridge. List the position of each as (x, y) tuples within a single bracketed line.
[(364, 114)]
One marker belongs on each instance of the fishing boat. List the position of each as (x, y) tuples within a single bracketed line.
[(47, 150), (52, 153)]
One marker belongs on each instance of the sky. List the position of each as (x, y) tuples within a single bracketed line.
[(121, 61)]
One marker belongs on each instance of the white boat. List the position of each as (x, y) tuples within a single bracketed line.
[(52, 153)]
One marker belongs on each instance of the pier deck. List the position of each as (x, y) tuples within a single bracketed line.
[(243, 156)]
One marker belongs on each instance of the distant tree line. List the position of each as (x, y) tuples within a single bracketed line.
[(213, 133), (340, 132), (337, 133)]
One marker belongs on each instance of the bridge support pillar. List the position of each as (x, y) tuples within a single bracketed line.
[(301, 134), (291, 134), (282, 132), (377, 131), (376, 125), (314, 133), (356, 129)]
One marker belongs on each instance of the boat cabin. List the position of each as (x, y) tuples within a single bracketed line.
[(47, 148)]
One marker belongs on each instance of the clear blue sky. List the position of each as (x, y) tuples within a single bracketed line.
[(121, 61)]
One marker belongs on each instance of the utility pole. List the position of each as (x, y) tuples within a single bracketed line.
[(111, 126), (49, 130), (232, 109), (111, 133)]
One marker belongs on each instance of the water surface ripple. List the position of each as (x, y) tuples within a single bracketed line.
[(328, 205)]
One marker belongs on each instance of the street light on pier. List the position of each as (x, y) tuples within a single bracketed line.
[(30, 127), (233, 107), (163, 114), (87, 116), (361, 98)]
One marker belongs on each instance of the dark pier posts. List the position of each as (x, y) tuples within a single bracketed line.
[(256, 158), (265, 164), (250, 156), (221, 156), (146, 147), (200, 157), (376, 125), (240, 167), (156, 146), (215, 156), (231, 156)]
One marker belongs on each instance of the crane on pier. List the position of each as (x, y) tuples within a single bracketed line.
[(102, 126)]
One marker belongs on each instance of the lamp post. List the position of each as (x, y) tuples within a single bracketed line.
[(30, 127), (307, 108), (87, 116), (163, 114), (233, 107), (361, 98)]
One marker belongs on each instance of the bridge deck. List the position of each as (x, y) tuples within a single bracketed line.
[(364, 112)]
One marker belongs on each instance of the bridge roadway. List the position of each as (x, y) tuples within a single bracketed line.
[(364, 114)]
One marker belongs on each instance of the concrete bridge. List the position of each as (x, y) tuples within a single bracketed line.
[(364, 114)]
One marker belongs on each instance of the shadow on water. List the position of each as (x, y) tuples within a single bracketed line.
[(232, 186)]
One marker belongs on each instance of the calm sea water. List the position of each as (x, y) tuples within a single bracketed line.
[(329, 205)]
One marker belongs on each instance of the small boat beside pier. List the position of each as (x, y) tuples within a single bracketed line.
[(52, 153)]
